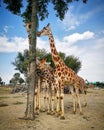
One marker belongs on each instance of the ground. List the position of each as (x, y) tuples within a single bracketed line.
[(12, 107)]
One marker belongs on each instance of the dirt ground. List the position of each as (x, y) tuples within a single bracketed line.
[(12, 107)]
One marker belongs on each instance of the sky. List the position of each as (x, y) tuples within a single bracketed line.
[(81, 34)]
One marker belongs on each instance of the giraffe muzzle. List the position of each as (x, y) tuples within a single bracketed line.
[(38, 34)]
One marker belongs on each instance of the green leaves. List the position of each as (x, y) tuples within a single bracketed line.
[(14, 6), (73, 63), (61, 7), (16, 79), (43, 9)]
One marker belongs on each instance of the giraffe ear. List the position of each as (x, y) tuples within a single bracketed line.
[(45, 59)]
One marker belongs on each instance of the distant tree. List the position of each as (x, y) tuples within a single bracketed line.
[(99, 84), (1, 82), (21, 62), (73, 63), (16, 79)]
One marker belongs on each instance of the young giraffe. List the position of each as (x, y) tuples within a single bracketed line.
[(50, 83), (64, 74)]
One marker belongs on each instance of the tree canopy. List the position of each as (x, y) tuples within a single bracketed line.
[(60, 7), (22, 60), (16, 79)]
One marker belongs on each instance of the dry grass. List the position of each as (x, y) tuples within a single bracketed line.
[(92, 119)]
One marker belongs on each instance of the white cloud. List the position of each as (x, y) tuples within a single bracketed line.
[(90, 53), (99, 44), (93, 61), (14, 44), (78, 37), (43, 44), (71, 21)]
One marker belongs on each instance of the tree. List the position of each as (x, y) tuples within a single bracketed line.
[(36, 9), (40, 53), (21, 62), (16, 79), (73, 63), (1, 82)]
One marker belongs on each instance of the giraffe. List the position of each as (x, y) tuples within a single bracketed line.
[(49, 82), (28, 29), (64, 74), (83, 88), (82, 84), (89, 85)]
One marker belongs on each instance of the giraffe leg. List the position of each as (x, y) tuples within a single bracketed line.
[(38, 97), (78, 96), (44, 97), (36, 102), (58, 102), (35, 99), (85, 99), (48, 101), (52, 99), (74, 99), (62, 103)]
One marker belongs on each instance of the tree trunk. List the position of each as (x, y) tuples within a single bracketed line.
[(29, 114)]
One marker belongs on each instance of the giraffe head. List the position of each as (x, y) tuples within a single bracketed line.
[(42, 64), (45, 31), (28, 26)]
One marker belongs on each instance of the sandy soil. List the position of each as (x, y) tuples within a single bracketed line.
[(12, 107)]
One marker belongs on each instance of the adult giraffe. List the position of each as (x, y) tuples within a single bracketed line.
[(64, 73), (83, 88)]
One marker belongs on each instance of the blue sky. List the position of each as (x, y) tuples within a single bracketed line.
[(81, 34)]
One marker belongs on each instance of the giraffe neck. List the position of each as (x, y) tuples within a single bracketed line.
[(55, 56)]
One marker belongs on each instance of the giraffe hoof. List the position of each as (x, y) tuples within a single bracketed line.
[(52, 112), (44, 110), (62, 118), (74, 112), (57, 114), (37, 112), (85, 105), (48, 113), (81, 113), (41, 110)]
